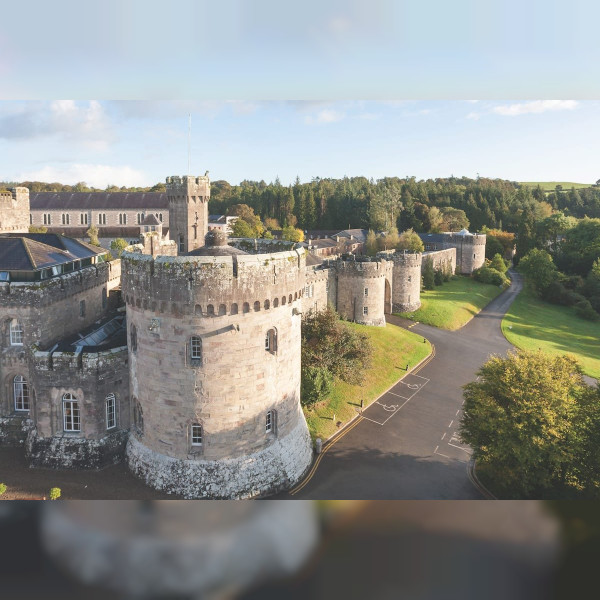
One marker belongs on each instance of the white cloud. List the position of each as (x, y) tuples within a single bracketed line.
[(535, 106), (98, 176), (325, 116), (474, 116)]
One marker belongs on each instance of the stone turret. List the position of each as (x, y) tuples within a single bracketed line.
[(406, 292), (470, 250), (14, 210), (188, 211)]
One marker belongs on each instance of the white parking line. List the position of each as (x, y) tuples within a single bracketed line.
[(444, 435), (451, 423)]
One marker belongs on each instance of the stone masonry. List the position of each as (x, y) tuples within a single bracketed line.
[(14, 210)]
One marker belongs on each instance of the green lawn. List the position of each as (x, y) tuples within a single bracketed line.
[(548, 186), (393, 348), (453, 304), (531, 324)]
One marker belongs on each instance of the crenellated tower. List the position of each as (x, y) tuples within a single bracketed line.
[(188, 211), (14, 210)]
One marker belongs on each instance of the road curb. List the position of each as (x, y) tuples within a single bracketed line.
[(472, 473)]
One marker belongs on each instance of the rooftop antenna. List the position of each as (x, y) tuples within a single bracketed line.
[(189, 141)]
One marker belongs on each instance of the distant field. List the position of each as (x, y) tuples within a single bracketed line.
[(452, 305), (531, 323), (548, 186), (394, 347)]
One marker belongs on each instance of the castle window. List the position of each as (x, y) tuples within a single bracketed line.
[(160, 217), (282, 300), (21, 393), (409, 299), (275, 302), (104, 298), (195, 350), (234, 309), (222, 310), (365, 310), (16, 333), (133, 338), (210, 310), (71, 414), (47, 219), (366, 292), (473, 256), (181, 244), (246, 307), (83, 219), (267, 305), (257, 306), (111, 412), (101, 218), (196, 434), (409, 278), (198, 310), (290, 299), (270, 421), (30, 219), (82, 308), (271, 341), (122, 218), (65, 219)]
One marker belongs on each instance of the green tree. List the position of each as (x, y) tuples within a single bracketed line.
[(92, 233), (371, 243), (409, 240), (540, 270), (453, 219), (41, 229), (2, 489), (292, 234), (428, 274), (317, 383), (531, 418), (498, 264), (241, 229), (117, 246)]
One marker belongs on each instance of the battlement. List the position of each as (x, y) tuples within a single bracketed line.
[(361, 267), (88, 362), (48, 291), (407, 259), (188, 186), (14, 210), (475, 239)]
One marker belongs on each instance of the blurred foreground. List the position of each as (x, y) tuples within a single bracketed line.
[(421, 550)]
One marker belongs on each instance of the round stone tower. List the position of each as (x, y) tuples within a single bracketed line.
[(470, 250), (362, 289), (214, 345), (406, 292)]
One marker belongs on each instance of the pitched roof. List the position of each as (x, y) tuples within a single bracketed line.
[(97, 200), (34, 251), (151, 220)]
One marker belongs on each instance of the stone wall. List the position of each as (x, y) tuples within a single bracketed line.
[(470, 251), (442, 259), (14, 210), (361, 286), (230, 303), (320, 288), (406, 285), (89, 378)]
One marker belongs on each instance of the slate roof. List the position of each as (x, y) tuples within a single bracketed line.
[(34, 251), (151, 220), (433, 237), (98, 200)]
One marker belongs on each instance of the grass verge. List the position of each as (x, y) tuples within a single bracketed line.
[(394, 347), (452, 305), (532, 324), (549, 186)]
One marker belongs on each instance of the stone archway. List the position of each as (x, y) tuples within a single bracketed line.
[(387, 301)]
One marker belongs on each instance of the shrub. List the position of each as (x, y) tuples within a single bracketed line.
[(438, 277), (489, 275), (428, 274), (317, 382), (499, 264), (584, 310), (2, 488), (54, 493)]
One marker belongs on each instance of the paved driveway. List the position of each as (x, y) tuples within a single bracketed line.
[(406, 445)]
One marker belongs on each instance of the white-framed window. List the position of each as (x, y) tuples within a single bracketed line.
[(47, 219), (196, 434), (181, 244), (16, 332), (122, 218), (366, 292), (111, 411), (271, 341), (269, 422), (66, 219), (21, 393), (83, 219), (196, 349), (101, 218), (71, 414), (365, 310)]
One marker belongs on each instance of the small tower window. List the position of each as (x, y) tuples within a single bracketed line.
[(271, 341), (269, 422), (71, 414), (196, 434), (111, 412), (409, 278), (366, 292), (365, 310), (82, 308), (133, 338), (16, 333), (21, 393), (195, 350), (181, 244)]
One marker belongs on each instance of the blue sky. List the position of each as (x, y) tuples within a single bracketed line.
[(273, 86), (142, 142)]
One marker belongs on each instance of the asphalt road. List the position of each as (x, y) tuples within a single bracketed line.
[(406, 446)]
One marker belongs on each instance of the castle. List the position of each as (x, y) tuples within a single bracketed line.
[(182, 357)]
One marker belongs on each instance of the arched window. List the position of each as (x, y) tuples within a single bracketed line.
[(246, 307), (21, 393), (210, 310), (275, 302), (234, 309), (271, 341), (290, 299), (283, 300), (133, 338), (111, 411), (71, 414), (196, 434), (267, 305), (256, 306), (195, 350), (16, 333), (198, 310), (222, 310)]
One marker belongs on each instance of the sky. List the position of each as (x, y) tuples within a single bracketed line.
[(139, 143), (101, 92)]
